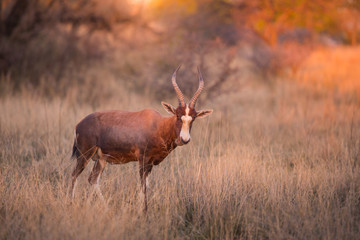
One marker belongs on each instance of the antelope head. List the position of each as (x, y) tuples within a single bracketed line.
[(185, 113)]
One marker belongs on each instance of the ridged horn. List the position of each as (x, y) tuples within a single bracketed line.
[(179, 94), (197, 93)]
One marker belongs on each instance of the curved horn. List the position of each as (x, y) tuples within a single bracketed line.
[(179, 94), (197, 93)]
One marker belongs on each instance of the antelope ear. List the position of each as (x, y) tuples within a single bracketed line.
[(169, 108), (204, 113)]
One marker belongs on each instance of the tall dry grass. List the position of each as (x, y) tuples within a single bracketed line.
[(280, 162)]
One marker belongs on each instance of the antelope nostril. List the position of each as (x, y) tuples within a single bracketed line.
[(185, 142)]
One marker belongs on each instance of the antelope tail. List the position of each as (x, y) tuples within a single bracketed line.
[(75, 151)]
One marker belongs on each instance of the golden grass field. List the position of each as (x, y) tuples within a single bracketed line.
[(280, 162)]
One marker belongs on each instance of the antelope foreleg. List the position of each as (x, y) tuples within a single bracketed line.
[(144, 172)]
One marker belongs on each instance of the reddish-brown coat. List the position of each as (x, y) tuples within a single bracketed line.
[(144, 136), (117, 137)]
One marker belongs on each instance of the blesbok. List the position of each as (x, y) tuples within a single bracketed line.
[(120, 137)]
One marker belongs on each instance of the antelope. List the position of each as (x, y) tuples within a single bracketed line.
[(118, 137)]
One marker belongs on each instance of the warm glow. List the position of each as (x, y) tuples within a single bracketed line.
[(138, 2)]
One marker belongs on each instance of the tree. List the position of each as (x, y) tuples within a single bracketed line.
[(22, 21), (350, 18), (269, 18)]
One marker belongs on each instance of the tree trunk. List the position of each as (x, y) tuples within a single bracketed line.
[(13, 19), (1, 20), (354, 34)]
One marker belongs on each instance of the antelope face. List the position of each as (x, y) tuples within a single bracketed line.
[(184, 119), (185, 113), (185, 116)]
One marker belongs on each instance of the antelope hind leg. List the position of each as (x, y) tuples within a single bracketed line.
[(81, 161), (94, 178)]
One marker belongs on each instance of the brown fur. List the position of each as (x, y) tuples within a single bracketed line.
[(120, 137), (117, 137)]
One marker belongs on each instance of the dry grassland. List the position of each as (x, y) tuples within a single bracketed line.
[(283, 164)]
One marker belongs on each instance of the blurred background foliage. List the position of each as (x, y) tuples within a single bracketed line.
[(52, 43)]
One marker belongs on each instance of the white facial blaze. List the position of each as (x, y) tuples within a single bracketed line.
[(185, 129)]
